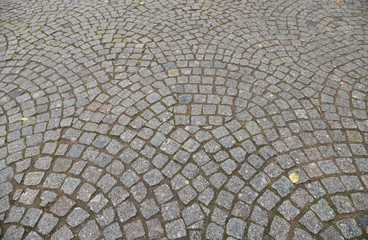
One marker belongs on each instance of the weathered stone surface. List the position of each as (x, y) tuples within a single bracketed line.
[(162, 120)]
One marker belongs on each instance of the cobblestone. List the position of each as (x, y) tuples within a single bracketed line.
[(145, 119)]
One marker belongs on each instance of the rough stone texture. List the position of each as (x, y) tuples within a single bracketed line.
[(62, 206), (176, 229), (134, 230), (279, 228), (236, 227), (349, 228), (183, 120)]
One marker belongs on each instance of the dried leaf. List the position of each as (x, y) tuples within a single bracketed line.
[(338, 1), (294, 177)]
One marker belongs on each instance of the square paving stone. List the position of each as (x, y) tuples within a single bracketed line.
[(171, 169), (62, 206), (331, 233), (170, 210), (139, 191), (187, 194), (47, 197), (301, 234), (63, 233), (351, 183), (106, 183), (92, 174), (77, 217), (126, 211), (333, 185), (31, 217), (316, 189), (163, 193), (190, 170), (200, 183), (33, 178), (128, 155), (43, 163), (273, 170), (85, 192), (153, 177), (346, 165), (349, 228), (101, 141), (28, 196), (260, 181), (283, 186), (323, 210), (235, 184), (343, 204), (241, 210), (75, 151), (102, 160), (176, 229), (78, 167), (214, 231), (112, 232), (54, 180), (247, 195), (155, 229), (288, 210), (225, 199), (218, 180), (14, 233), (362, 164), (129, 178), (228, 166), (279, 228), (115, 168), (259, 216), (97, 203), (118, 195), (62, 165), (89, 231), (192, 214), (255, 232), (268, 200), (47, 223), (134, 230), (33, 236), (15, 214), (360, 201), (70, 184), (149, 208), (218, 216), (311, 222), (106, 216), (236, 228), (301, 197), (170, 146)]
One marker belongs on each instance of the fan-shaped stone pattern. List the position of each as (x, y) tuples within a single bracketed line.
[(146, 119)]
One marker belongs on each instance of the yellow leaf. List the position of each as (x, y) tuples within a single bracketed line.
[(294, 177), (367, 229), (338, 2), (260, 45), (24, 119)]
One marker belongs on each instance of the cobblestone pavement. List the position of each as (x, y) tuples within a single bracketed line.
[(183, 119)]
